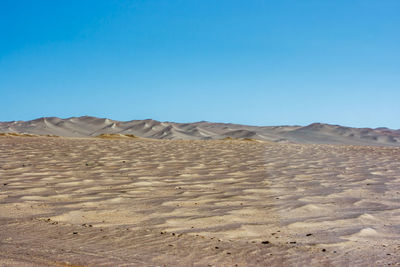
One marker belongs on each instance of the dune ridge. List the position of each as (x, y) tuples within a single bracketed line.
[(316, 133)]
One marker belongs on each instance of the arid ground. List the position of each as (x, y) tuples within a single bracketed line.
[(143, 202)]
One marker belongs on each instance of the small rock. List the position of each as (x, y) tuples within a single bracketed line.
[(308, 234), (75, 233), (216, 247), (323, 250), (265, 242)]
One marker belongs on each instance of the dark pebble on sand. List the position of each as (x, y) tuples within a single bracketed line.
[(308, 234), (265, 242), (75, 233), (323, 250), (216, 247)]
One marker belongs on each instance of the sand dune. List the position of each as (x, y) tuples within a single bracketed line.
[(115, 136), (147, 202), (315, 133)]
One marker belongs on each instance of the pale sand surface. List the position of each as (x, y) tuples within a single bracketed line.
[(141, 202)]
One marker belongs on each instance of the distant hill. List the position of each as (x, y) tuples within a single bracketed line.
[(316, 133)]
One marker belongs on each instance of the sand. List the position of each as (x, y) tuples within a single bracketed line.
[(143, 202), (315, 133)]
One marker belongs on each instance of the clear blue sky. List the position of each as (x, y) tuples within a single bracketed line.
[(252, 62)]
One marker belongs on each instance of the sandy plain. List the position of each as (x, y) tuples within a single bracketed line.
[(143, 202)]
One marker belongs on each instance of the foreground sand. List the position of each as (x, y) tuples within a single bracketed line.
[(139, 202)]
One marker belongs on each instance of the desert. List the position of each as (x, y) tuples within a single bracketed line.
[(135, 201), (200, 133)]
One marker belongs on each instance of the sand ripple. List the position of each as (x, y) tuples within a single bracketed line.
[(157, 202)]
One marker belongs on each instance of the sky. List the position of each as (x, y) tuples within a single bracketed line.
[(252, 62)]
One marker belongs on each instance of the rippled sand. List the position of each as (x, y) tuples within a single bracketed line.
[(139, 202)]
